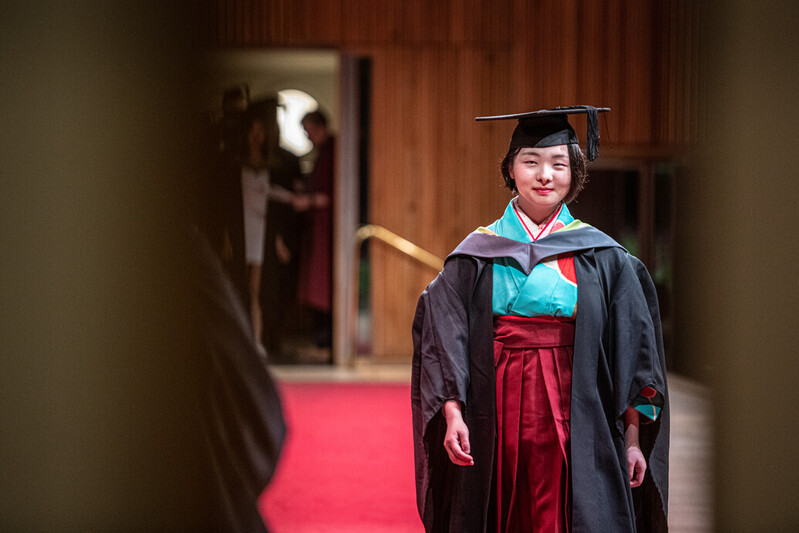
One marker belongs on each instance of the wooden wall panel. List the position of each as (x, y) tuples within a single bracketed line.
[(637, 109), (613, 63), (441, 169), (436, 65)]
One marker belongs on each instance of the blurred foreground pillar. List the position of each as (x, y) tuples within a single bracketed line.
[(98, 376), (736, 270)]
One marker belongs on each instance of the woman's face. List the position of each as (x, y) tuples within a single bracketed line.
[(257, 134), (543, 178)]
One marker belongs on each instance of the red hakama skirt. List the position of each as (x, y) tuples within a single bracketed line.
[(533, 360)]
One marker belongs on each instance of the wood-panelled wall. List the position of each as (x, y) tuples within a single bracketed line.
[(439, 63)]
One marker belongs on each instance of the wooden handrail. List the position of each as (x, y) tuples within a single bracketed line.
[(372, 231), (403, 245)]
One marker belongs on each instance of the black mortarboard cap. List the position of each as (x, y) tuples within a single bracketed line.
[(550, 127)]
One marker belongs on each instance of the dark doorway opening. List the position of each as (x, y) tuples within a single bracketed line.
[(634, 204)]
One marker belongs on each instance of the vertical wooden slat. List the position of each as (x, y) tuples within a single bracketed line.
[(613, 64), (592, 61), (638, 109)]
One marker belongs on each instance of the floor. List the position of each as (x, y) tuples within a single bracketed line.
[(690, 476)]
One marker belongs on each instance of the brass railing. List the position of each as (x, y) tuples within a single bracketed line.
[(371, 231), (403, 245)]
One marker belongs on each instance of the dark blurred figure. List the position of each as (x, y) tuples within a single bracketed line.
[(235, 101), (281, 239), (223, 220), (315, 285), (240, 409), (221, 216), (241, 415), (104, 375)]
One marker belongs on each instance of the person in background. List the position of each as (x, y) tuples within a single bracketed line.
[(235, 101), (539, 390), (222, 216), (254, 196), (281, 238), (315, 284)]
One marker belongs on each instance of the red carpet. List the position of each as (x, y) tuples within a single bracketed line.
[(347, 465)]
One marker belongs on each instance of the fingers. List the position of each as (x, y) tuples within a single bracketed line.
[(301, 202), (457, 445), (321, 200), (457, 456), (636, 466), (456, 440), (638, 475)]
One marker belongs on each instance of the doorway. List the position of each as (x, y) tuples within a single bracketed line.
[(633, 202), (297, 81)]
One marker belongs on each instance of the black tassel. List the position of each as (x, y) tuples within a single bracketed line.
[(592, 141)]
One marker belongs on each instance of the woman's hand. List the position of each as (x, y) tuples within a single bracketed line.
[(456, 440), (301, 202), (320, 200), (636, 463), (281, 250)]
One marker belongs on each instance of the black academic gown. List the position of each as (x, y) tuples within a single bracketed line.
[(617, 352), (279, 280), (224, 220), (240, 414)]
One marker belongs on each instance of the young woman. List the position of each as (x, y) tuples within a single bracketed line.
[(537, 350), (254, 192)]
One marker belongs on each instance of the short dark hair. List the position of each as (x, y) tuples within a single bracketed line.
[(317, 118), (577, 165), (235, 94)]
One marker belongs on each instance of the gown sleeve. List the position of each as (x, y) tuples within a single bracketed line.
[(641, 380), (637, 341), (440, 335), (440, 372)]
